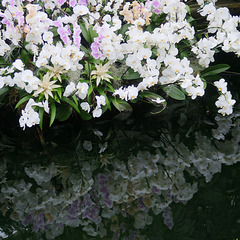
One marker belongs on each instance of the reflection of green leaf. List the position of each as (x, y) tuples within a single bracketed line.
[(23, 100), (52, 114), (216, 69), (174, 92), (121, 105)]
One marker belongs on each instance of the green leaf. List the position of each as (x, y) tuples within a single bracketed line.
[(85, 115), (100, 90), (70, 102), (121, 105), (188, 9), (41, 112), (92, 33), (52, 114), (184, 54), (85, 32), (25, 57), (26, 98), (90, 90), (4, 90), (213, 78), (130, 75), (87, 54), (124, 28), (86, 66), (214, 70), (75, 99), (174, 92), (54, 31), (110, 87), (63, 112), (152, 96), (59, 92), (56, 98)]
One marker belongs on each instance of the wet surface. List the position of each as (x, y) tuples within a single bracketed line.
[(168, 176)]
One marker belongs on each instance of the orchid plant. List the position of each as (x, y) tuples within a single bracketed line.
[(92, 54)]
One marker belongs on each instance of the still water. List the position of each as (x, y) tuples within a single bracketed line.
[(143, 176)]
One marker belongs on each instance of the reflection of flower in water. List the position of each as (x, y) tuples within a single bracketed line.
[(106, 159), (145, 183)]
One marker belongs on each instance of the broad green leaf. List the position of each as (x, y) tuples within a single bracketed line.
[(56, 98), (70, 102), (87, 66), (4, 90), (26, 98), (41, 112), (190, 19), (204, 83), (152, 96), (59, 92), (3, 93), (110, 87), (151, 27), (2, 62), (63, 112), (85, 115), (104, 109), (52, 114), (54, 31), (75, 99), (68, 10), (92, 33), (130, 75), (85, 32), (184, 54), (174, 92), (188, 9), (124, 28), (213, 78), (100, 90), (90, 89), (87, 54), (214, 70), (25, 57), (121, 105)]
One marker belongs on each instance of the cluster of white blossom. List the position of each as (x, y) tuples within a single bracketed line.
[(225, 28), (29, 116), (225, 101), (107, 44), (51, 32)]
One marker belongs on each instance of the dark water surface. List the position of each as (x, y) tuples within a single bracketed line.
[(136, 176)]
